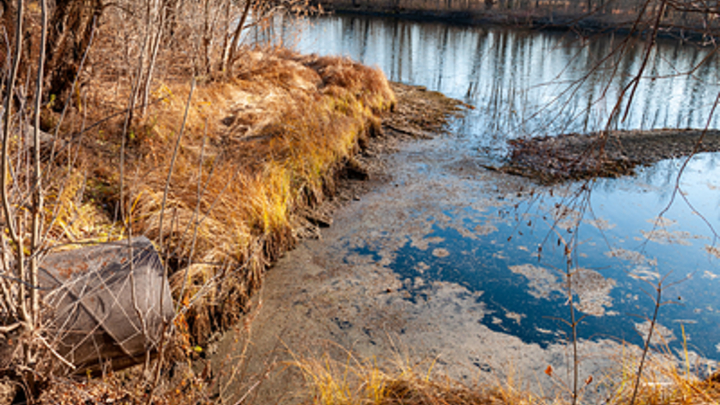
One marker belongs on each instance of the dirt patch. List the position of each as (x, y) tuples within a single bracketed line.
[(305, 288), (421, 113), (574, 156)]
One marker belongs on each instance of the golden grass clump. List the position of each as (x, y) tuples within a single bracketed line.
[(255, 151), (348, 380), (665, 380), (356, 381), (72, 218)]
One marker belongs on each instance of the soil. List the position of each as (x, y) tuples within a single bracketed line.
[(551, 160)]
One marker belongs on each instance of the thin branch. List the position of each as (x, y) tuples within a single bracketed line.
[(10, 87), (37, 192), (54, 352), (646, 348), (227, 64), (10, 328), (172, 163)]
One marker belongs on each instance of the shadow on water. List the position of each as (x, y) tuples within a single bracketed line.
[(526, 83)]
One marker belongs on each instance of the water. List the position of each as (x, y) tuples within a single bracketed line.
[(529, 83), (509, 243)]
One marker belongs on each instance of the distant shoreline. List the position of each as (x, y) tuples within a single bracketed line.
[(473, 14)]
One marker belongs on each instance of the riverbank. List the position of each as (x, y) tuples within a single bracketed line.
[(225, 156), (345, 320), (358, 323), (263, 161), (585, 18), (229, 169)]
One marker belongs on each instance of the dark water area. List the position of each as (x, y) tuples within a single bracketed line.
[(628, 234)]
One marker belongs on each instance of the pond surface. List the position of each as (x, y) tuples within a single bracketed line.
[(503, 239)]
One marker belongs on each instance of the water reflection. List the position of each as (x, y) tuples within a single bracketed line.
[(514, 255), (530, 83), (538, 83)]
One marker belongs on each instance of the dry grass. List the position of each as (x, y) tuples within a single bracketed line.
[(664, 381), (354, 381), (256, 150), (260, 148)]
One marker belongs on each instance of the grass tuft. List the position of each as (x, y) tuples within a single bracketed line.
[(357, 381)]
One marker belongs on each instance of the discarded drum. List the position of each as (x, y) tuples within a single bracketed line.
[(110, 303)]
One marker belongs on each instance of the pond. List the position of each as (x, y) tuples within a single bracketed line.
[(508, 243)]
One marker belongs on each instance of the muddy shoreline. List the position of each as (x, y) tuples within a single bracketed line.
[(564, 157), (339, 297), (418, 114), (342, 296)]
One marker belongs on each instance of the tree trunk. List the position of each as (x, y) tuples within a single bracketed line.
[(227, 64), (72, 25)]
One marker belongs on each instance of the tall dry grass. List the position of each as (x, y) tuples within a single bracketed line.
[(220, 193), (257, 150), (353, 380), (267, 131)]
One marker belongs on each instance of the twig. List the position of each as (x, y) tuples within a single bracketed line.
[(9, 215), (10, 328), (55, 353), (227, 64), (646, 347), (37, 192), (172, 163), (158, 366), (195, 217), (251, 389), (10, 86)]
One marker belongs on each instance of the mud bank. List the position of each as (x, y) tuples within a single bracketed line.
[(418, 114), (575, 156)]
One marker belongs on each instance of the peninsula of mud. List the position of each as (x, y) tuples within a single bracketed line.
[(609, 154)]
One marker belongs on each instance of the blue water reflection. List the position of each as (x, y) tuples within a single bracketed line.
[(520, 266), (540, 83)]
